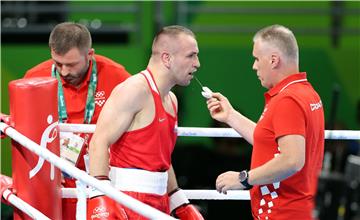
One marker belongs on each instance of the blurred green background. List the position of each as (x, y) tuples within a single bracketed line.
[(327, 33)]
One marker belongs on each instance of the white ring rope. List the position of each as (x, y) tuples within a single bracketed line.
[(215, 195), (120, 197), (82, 128), (66, 166), (212, 132), (23, 206), (354, 159), (190, 194)]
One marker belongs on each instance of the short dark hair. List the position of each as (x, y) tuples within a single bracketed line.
[(68, 35), (172, 31)]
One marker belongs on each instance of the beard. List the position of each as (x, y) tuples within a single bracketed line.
[(75, 79)]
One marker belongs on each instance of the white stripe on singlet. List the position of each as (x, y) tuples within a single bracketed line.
[(151, 81)]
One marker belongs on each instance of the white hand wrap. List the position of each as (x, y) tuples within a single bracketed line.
[(177, 199), (93, 192)]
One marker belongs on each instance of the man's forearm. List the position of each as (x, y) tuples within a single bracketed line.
[(99, 161), (172, 183), (273, 171), (244, 126)]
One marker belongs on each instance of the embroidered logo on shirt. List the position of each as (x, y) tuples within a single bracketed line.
[(100, 98), (315, 106), (162, 119)]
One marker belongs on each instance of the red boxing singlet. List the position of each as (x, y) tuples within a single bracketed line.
[(150, 147)]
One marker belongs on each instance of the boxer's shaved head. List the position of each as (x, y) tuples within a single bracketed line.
[(164, 40)]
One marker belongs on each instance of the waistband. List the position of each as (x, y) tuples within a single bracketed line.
[(136, 180)]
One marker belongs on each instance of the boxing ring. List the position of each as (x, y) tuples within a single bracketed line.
[(115, 194), (49, 135)]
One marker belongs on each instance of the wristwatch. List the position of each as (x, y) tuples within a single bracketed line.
[(243, 177)]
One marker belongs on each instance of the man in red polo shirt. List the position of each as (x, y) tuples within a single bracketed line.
[(85, 82), (288, 139)]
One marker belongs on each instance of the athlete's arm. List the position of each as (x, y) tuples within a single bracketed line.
[(172, 183), (114, 119)]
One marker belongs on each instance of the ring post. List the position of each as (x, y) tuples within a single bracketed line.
[(34, 113)]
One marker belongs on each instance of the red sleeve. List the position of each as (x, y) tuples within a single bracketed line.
[(112, 69), (42, 69), (289, 118), (123, 74), (29, 73)]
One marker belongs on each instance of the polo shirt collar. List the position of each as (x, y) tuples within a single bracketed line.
[(293, 78)]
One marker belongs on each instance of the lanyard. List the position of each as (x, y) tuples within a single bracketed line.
[(90, 101)]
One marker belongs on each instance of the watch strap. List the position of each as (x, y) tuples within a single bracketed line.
[(244, 181)]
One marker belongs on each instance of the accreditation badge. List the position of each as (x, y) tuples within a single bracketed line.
[(70, 146)]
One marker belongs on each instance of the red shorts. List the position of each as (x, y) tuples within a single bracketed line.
[(156, 201)]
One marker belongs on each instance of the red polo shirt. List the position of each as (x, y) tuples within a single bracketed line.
[(291, 107), (110, 74)]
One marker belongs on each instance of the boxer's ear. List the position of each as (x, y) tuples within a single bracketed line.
[(166, 59)]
